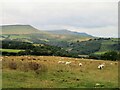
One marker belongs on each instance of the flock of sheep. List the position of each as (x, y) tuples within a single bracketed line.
[(101, 66), (67, 63)]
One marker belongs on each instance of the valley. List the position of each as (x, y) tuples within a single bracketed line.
[(73, 43), (30, 59)]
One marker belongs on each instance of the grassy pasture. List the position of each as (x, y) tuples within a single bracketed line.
[(19, 37), (53, 75), (11, 50), (99, 53)]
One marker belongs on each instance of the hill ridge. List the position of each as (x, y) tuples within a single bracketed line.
[(19, 29)]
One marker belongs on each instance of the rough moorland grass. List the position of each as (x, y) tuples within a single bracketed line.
[(54, 75)]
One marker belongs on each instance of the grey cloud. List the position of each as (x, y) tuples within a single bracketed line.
[(50, 15)]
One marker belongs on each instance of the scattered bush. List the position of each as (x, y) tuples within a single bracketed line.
[(34, 66), (13, 65), (41, 70)]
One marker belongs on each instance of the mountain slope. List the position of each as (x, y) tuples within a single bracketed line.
[(19, 29), (67, 32), (70, 35), (30, 32), (74, 42)]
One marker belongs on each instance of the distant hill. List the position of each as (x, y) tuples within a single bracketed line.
[(70, 35), (67, 32), (73, 42), (19, 29), (30, 32)]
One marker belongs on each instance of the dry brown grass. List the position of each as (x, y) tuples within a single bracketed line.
[(67, 74)]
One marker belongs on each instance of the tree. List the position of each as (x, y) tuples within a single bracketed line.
[(110, 55)]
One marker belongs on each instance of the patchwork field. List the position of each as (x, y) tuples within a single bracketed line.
[(46, 72), (10, 50)]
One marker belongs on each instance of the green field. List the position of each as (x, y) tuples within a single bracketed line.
[(19, 37), (10, 50), (53, 75), (99, 53), (107, 45)]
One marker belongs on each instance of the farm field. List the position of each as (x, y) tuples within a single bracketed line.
[(10, 50), (46, 72)]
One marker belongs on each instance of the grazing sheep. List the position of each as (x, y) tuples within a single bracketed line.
[(6, 56), (80, 64), (41, 56), (76, 59), (101, 66), (0, 60), (68, 63), (61, 62), (111, 63), (29, 58)]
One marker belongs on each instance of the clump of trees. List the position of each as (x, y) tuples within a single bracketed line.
[(85, 47), (110, 55), (11, 44), (31, 49)]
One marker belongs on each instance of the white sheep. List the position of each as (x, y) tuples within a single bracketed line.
[(0, 60), (61, 62), (111, 63), (76, 59), (80, 64), (6, 56), (101, 66), (68, 63)]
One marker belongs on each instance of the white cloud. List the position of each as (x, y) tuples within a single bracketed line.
[(109, 31)]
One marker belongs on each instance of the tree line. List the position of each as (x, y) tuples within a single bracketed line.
[(48, 50)]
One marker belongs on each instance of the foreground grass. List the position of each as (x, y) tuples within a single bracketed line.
[(60, 75)]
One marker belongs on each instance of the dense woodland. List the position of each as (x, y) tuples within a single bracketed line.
[(31, 49)]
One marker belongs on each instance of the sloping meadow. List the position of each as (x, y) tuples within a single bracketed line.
[(46, 72)]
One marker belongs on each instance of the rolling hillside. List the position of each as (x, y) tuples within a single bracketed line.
[(67, 32), (27, 31), (73, 42), (70, 35), (19, 29)]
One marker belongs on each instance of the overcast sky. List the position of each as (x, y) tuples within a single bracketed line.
[(96, 17)]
